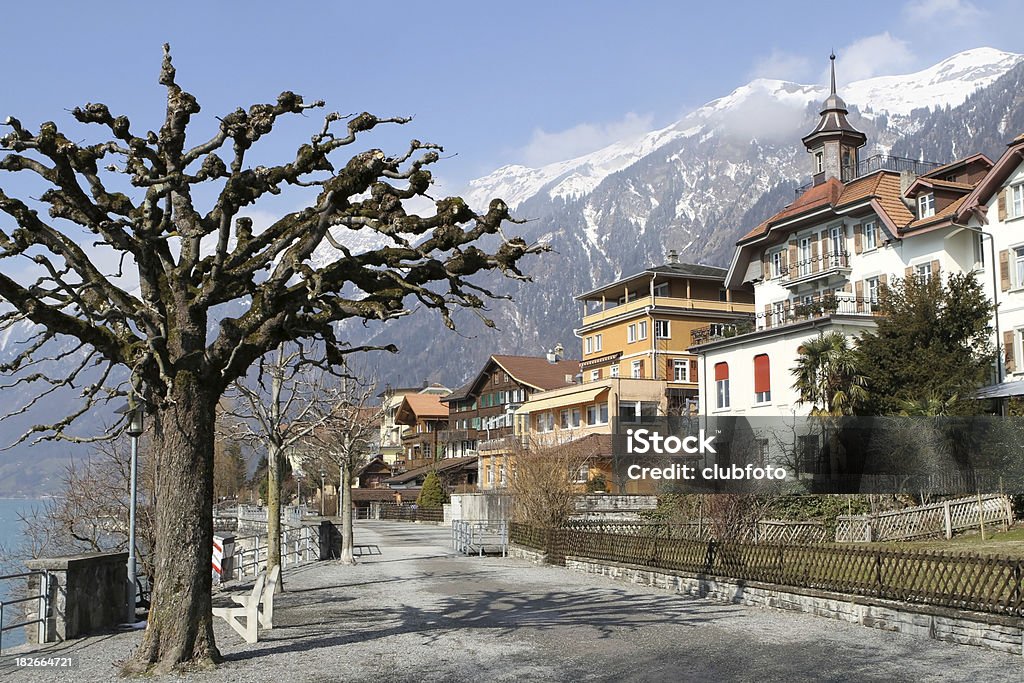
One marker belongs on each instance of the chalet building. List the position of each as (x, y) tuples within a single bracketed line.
[(819, 264), (391, 433), (458, 475), (480, 413), (995, 208), (424, 417), (372, 474)]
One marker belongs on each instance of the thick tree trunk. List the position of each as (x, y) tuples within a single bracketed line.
[(346, 516), (180, 629), (274, 511)]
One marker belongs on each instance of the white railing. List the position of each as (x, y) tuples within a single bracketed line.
[(480, 537), (43, 607), (298, 546)]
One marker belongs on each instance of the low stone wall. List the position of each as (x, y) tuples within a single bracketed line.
[(87, 593), (994, 632), (524, 553)]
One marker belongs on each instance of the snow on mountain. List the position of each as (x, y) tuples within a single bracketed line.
[(947, 83)]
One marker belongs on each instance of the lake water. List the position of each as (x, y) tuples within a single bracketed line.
[(11, 541)]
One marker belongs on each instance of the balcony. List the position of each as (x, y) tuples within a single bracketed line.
[(877, 162), (818, 267), (453, 435), (819, 307), (612, 310)]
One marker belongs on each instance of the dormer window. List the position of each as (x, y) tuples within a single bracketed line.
[(819, 162), (926, 205)]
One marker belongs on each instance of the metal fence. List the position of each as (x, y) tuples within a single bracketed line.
[(43, 608), (984, 583), (480, 537), (411, 513)]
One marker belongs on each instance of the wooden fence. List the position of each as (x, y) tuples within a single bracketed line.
[(411, 513), (964, 581), (765, 530), (922, 521)]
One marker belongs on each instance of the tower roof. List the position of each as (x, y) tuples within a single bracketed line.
[(833, 123)]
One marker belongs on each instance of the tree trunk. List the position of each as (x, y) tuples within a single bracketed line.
[(274, 512), (346, 516), (180, 629)]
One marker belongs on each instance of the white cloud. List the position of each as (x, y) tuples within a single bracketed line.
[(545, 147), (782, 65), (949, 12), (881, 54)]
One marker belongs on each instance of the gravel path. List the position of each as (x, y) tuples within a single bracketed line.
[(420, 613)]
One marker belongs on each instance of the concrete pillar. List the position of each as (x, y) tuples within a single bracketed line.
[(86, 595)]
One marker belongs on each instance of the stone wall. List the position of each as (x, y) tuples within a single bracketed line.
[(995, 632), (609, 507), (88, 594)]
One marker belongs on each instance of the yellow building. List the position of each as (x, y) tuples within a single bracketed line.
[(642, 326), (635, 334)]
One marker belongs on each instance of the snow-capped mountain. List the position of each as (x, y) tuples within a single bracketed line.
[(947, 83), (694, 186)]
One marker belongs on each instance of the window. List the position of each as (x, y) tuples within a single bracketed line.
[(723, 294), (776, 264), (545, 422), (597, 414), (597, 342), (681, 370), (636, 369), (721, 385), (872, 293), (924, 272), (661, 330), (835, 245), (926, 205), (1015, 201), (638, 411), (805, 255), (641, 330), (661, 290), (1018, 265), (762, 379), (778, 313), (819, 162), (631, 333), (870, 235), (613, 371), (570, 418), (581, 475), (588, 345), (595, 375)]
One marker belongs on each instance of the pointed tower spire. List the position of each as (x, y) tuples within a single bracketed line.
[(833, 143), (832, 58)]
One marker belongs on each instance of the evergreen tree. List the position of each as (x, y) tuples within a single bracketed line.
[(432, 494), (932, 344)]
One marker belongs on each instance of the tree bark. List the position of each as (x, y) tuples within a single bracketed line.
[(274, 512), (346, 516), (180, 628)]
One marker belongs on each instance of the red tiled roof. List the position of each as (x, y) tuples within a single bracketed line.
[(818, 196)]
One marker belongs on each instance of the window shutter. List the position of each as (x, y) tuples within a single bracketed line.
[(860, 296), (766, 272), (641, 369), (762, 374), (936, 268), (670, 370), (1004, 269), (1011, 366), (848, 287), (883, 280), (909, 272), (721, 371), (1001, 202), (814, 255), (693, 370), (858, 232), (791, 260), (767, 315)]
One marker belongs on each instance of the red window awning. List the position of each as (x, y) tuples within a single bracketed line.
[(762, 374), (721, 371)]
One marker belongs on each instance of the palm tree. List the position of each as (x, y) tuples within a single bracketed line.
[(827, 376)]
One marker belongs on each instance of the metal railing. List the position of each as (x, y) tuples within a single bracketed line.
[(298, 545), (821, 264), (43, 607), (480, 537), (876, 162)]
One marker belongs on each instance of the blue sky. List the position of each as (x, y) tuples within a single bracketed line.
[(523, 82)]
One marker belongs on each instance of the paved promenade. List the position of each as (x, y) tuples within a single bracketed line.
[(420, 613)]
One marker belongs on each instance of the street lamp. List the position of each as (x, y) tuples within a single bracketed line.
[(135, 412)]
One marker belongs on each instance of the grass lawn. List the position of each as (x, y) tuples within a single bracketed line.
[(996, 542)]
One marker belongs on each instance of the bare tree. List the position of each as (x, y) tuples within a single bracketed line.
[(288, 400), (345, 441), (542, 483), (133, 199)]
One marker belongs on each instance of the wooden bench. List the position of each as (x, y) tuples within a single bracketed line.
[(249, 607)]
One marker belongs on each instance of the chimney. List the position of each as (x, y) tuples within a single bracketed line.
[(554, 355), (673, 256)]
